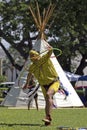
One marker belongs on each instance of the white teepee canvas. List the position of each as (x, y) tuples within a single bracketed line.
[(72, 99), (16, 97)]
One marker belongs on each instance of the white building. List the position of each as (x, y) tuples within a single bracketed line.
[(2, 57)]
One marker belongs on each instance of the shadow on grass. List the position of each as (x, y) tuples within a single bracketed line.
[(15, 124)]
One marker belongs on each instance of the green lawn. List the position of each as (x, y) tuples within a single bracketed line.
[(23, 119)]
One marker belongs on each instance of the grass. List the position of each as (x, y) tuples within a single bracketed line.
[(23, 119)]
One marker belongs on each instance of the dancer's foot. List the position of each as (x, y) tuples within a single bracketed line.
[(47, 120)]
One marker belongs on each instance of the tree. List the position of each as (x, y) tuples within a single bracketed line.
[(72, 31), (67, 29)]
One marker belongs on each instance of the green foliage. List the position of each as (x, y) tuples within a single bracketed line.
[(3, 78), (1, 92)]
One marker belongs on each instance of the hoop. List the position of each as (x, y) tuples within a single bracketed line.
[(60, 52)]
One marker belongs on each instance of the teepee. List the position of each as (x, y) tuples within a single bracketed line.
[(41, 45)]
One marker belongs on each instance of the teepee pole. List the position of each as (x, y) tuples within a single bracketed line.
[(35, 19), (48, 14), (41, 22), (38, 14)]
